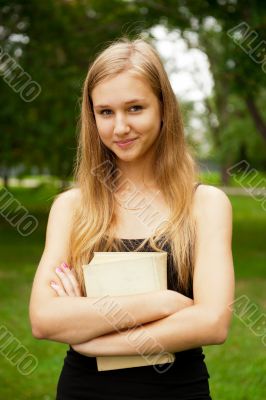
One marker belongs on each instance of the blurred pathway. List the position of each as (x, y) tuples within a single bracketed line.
[(241, 191), (235, 191)]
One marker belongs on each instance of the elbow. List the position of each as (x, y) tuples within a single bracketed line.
[(37, 330), (220, 335), (219, 329)]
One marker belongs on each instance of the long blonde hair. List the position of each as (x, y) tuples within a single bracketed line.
[(96, 172)]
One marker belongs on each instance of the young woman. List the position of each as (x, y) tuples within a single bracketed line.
[(135, 190)]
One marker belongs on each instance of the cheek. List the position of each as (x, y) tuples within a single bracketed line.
[(150, 121), (104, 128), (142, 124), (150, 124)]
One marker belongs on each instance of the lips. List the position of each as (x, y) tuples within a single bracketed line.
[(126, 141)]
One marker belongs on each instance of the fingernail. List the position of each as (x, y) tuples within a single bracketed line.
[(54, 284), (58, 269), (64, 265)]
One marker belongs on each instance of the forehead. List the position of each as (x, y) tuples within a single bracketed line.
[(122, 87)]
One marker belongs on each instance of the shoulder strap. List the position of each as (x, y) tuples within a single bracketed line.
[(196, 185)]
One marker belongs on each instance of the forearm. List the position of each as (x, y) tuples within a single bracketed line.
[(192, 327), (75, 320)]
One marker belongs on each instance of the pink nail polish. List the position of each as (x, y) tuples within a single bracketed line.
[(58, 269), (54, 284), (64, 265)]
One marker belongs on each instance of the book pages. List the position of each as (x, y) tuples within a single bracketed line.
[(126, 273)]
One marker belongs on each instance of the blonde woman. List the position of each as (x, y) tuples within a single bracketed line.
[(132, 158)]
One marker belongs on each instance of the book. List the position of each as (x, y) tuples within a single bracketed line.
[(126, 273)]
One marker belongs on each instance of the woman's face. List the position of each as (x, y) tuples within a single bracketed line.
[(125, 107)]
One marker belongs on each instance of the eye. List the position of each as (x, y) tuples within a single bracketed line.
[(103, 112), (107, 112), (136, 107)]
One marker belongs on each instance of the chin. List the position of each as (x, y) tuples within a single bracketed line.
[(126, 158)]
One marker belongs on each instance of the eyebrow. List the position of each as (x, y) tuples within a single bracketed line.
[(126, 102)]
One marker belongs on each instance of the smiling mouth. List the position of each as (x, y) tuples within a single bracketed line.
[(126, 141)]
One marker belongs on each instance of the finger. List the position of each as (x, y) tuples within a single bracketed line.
[(65, 281), (73, 279), (58, 289), (70, 273)]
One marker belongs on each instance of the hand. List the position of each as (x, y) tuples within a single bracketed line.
[(69, 285), (177, 301), (84, 348)]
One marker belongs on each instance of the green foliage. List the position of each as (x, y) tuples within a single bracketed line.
[(55, 41), (235, 115), (61, 39)]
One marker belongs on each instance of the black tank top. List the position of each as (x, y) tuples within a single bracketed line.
[(184, 379)]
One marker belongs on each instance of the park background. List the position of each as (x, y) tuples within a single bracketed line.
[(214, 53)]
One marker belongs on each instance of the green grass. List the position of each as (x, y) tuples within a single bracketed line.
[(237, 368), (252, 178)]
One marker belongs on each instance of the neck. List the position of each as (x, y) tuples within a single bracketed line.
[(138, 174)]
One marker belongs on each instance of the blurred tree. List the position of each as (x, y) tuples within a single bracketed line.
[(232, 37), (54, 42)]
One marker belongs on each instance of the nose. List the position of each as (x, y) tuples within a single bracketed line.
[(121, 125)]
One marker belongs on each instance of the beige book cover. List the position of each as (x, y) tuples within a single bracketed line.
[(125, 273)]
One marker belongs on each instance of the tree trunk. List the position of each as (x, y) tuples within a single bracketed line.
[(256, 116), (6, 181), (5, 177), (224, 175)]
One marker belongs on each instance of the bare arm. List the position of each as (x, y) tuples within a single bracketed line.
[(75, 320), (206, 321)]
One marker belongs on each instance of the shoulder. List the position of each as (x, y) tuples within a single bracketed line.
[(60, 219), (211, 204), (67, 199), (64, 204)]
